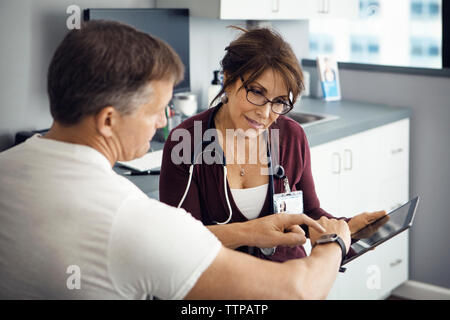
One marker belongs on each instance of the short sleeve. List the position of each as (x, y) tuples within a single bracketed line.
[(158, 250)]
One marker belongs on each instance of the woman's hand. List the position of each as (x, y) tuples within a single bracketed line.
[(363, 219), (280, 229)]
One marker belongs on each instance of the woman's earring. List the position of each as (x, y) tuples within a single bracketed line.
[(224, 99)]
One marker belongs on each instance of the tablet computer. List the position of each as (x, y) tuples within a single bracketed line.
[(382, 230)]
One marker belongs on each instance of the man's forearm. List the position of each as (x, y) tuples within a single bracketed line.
[(319, 270)]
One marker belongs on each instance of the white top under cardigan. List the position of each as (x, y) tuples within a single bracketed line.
[(250, 201)]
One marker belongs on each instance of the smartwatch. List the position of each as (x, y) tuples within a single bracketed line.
[(329, 238)]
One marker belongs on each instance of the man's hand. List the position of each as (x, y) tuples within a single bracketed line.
[(280, 229), (361, 220), (332, 226)]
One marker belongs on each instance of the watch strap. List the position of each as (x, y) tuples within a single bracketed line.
[(343, 248), (341, 243)]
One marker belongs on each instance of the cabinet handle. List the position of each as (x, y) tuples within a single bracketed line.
[(396, 263), (349, 152), (338, 170), (395, 151), (324, 6), (327, 6), (275, 5)]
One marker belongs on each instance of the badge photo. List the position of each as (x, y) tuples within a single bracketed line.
[(291, 202)]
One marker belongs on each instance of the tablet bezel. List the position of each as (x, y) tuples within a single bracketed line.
[(411, 213)]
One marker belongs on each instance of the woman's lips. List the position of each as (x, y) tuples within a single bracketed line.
[(254, 124)]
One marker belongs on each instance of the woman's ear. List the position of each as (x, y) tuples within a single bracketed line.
[(105, 120)]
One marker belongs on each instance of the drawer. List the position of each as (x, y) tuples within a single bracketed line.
[(375, 274), (355, 283), (394, 262), (393, 192), (394, 147)]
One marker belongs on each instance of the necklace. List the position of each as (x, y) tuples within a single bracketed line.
[(222, 129)]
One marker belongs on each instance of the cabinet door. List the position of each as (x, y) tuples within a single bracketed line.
[(394, 148), (359, 176), (362, 279), (248, 9), (292, 9), (341, 9), (393, 191), (393, 260), (393, 254), (326, 168), (265, 9)]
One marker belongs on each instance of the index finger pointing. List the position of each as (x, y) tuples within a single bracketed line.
[(304, 219), (313, 224)]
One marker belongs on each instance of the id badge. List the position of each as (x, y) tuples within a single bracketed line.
[(289, 202)]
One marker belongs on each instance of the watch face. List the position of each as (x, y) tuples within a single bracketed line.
[(268, 251)]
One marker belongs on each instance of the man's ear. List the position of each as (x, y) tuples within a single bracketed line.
[(105, 120)]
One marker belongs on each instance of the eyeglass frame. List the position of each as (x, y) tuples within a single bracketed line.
[(290, 105)]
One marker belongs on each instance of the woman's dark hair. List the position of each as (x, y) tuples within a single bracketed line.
[(256, 51), (107, 63)]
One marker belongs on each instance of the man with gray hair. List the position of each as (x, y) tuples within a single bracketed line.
[(71, 228)]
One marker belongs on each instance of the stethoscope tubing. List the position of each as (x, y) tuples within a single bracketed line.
[(279, 172)]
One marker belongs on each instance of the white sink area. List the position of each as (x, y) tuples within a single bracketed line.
[(306, 119)]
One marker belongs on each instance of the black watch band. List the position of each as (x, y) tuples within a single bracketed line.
[(343, 248), (329, 238)]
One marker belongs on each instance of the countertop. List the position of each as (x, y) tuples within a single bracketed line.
[(354, 117)]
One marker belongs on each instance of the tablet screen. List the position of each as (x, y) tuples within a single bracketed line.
[(382, 229)]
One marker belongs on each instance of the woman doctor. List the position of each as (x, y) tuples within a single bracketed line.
[(262, 80)]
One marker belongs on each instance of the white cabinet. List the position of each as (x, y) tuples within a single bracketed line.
[(265, 9), (367, 172), (334, 9), (344, 168)]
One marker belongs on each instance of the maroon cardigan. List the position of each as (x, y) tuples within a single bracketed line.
[(206, 198)]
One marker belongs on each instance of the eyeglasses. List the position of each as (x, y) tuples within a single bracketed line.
[(278, 105)]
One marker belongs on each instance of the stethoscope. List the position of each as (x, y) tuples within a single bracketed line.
[(278, 172)]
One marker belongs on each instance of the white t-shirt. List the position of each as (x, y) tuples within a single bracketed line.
[(71, 228)]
